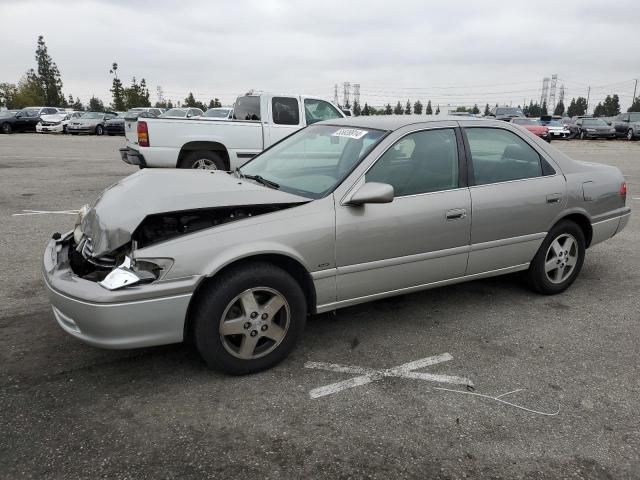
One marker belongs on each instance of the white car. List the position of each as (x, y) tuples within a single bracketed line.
[(219, 113), (56, 123), (556, 129)]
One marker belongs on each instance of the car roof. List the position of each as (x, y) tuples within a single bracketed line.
[(395, 122)]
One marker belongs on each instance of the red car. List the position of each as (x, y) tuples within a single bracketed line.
[(534, 127)]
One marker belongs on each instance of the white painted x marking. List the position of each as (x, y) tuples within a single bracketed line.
[(45, 212), (368, 375)]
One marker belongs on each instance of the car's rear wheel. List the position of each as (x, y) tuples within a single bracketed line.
[(558, 260), (203, 160), (6, 128), (99, 130), (630, 134), (248, 319)]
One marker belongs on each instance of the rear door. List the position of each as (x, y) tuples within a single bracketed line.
[(516, 193), (286, 118)]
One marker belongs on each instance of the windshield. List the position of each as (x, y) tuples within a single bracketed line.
[(175, 112), (509, 111), (524, 121), (217, 112), (594, 122), (553, 123), (8, 113), (92, 115), (634, 117), (312, 162)]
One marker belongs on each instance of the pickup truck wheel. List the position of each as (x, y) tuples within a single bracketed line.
[(203, 161), (249, 318), (6, 128), (630, 134), (559, 259)]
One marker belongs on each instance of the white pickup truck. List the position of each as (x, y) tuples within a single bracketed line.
[(259, 120)]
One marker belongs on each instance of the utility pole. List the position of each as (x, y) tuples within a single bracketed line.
[(588, 93), (634, 91)]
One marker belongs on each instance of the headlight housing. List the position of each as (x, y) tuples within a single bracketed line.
[(77, 231)]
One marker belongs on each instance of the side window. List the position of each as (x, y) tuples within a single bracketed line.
[(52, 111), (579, 121), (499, 156), (421, 162), (247, 108), (318, 110), (285, 111)]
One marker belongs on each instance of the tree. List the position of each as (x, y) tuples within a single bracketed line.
[(486, 110), (215, 103), (8, 92), (76, 105), (543, 110), (635, 106), (398, 109), (475, 109), (438, 110), (191, 101), (388, 110), (28, 93), (428, 110), (407, 109), (366, 110), (357, 111), (559, 110), (117, 91), (461, 109), (96, 105), (581, 106), (48, 76), (137, 95), (571, 110), (611, 106), (417, 107), (599, 111)]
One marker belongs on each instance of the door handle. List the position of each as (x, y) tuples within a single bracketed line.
[(554, 198), (456, 214)]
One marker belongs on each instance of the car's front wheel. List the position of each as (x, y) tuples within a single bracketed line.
[(583, 135), (249, 318), (99, 130), (559, 259), (630, 134)]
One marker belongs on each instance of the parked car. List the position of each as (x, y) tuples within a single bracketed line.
[(220, 113), (556, 128), (506, 113), (533, 126), (259, 120), (17, 121), (339, 213), (182, 113), (90, 122), (145, 111), (588, 127), (115, 126), (627, 125), (56, 123), (39, 111)]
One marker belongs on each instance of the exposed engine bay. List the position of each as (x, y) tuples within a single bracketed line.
[(153, 229)]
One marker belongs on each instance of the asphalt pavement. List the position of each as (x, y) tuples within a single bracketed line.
[(568, 365)]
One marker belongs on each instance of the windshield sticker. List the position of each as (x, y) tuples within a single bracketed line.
[(350, 133)]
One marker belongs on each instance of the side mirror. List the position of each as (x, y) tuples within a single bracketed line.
[(608, 122), (19, 115), (373, 192)]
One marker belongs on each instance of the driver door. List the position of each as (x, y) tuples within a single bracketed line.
[(422, 236)]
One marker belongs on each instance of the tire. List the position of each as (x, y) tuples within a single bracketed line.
[(542, 275), (224, 300), (549, 139), (203, 160), (6, 128), (99, 130), (64, 130), (583, 135), (629, 135)]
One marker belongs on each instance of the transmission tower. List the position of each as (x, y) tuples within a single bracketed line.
[(545, 90), (335, 95), (356, 93), (561, 95), (160, 94), (552, 93), (346, 92)]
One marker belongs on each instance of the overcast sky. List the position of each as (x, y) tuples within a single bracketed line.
[(452, 52)]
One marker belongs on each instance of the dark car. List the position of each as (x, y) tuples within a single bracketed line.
[(115, 126), (506, 113), (627, 125), (19, 120), (592, 128)]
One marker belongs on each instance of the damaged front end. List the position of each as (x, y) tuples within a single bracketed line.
[(120, 267)]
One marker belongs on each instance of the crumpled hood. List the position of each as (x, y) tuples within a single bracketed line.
[(121, 208)]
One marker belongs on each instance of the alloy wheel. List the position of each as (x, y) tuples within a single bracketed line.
[(254, 323), (561, 258), (204, 164), (630, 134)]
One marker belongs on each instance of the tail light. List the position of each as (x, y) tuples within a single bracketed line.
[(143, 134), (623, 190)]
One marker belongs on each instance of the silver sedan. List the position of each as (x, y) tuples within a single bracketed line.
[(339, 213)]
